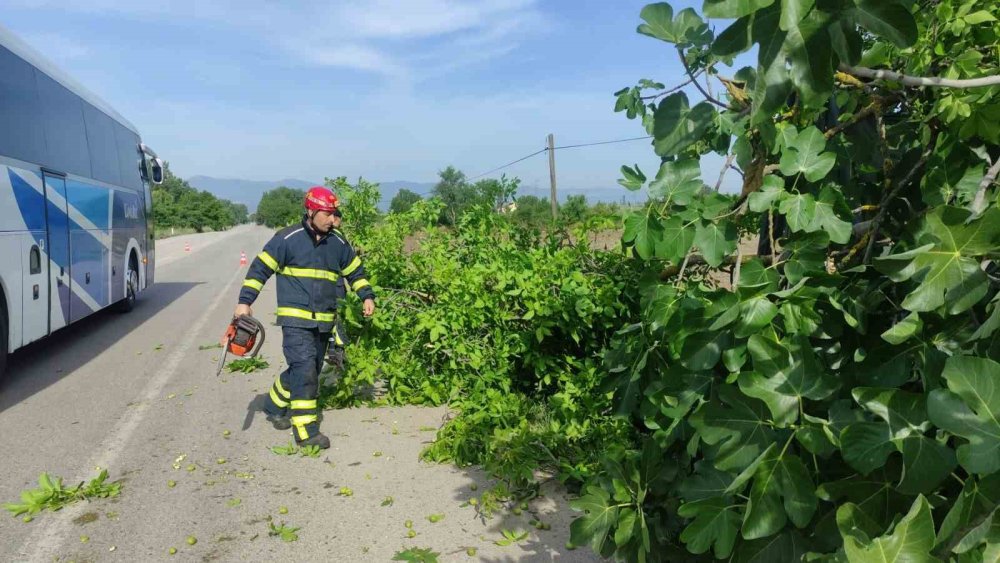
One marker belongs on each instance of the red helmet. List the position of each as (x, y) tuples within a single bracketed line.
[(319, 198)]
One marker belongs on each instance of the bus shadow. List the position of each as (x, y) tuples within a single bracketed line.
[(36, 366)]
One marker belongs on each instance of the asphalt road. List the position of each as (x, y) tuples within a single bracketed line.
[(134, 394)]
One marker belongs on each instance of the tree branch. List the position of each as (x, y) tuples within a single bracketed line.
[(725, 168), (868, 111), (979, 203), (697, 84), (884, 206), (919, 81), (671, 90)]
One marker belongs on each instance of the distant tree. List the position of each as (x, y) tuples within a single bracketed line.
[(280, 207), (454, 191), (532, 210), (495, 192), (574, 210), (403, 201)]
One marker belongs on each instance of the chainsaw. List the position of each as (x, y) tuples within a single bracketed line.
[(244, 336)]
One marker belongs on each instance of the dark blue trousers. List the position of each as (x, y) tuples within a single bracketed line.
[(296, 389)]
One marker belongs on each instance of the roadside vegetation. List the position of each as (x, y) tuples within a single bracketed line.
[(834, 400)]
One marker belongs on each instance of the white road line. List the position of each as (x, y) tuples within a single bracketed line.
[(44, 543)]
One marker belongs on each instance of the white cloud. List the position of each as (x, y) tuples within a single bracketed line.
[(397, 38)]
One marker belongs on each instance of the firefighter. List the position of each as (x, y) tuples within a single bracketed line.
[(309, 260)]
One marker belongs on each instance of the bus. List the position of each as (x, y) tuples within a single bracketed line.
[(75, 204)]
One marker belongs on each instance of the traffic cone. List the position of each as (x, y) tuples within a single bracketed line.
[(187, 247), (243, 258)]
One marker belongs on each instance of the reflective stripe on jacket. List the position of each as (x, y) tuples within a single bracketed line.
[(309, 273)]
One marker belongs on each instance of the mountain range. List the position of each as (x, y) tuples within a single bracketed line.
[(249, 192)]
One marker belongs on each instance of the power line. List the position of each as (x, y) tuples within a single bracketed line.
[(498, 168), (603, 143)]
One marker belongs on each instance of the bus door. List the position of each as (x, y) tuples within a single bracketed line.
[(34, 272), (59, 263)]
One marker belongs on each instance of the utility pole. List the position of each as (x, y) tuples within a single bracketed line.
[(552, 175)]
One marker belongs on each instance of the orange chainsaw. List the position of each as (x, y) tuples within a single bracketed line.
[(244, 336)]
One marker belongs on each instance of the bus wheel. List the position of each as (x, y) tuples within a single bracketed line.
[(131, 289)]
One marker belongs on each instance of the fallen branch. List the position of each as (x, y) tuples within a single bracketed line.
[(919, 81)]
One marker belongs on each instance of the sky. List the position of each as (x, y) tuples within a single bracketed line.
[(384, 89)]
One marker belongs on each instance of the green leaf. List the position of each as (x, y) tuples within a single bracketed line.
[(786, 546), (808, 45), (734, 39), (733, 8), (677, 181), (772, 85), (846, 42), (737, 426), (715, 241), (970, 409), (799, 210), (714, 526), (644, 231), (888, 19), (784, 408), (755, 314), (904, 329), (792, 12), (706, 482), (634, 178), (866, 446), (782, 490), (830, 208), (625, 526), (677, 127), (417, 555), (945, 267), (926, 463), (686, 29), (911, 540), (771, 190), (678, 237), (789, 367), (982, 16), (808, 156), (599, 516), (701, 351)]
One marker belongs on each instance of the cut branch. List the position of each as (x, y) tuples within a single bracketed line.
[(920, 81), (979, 203)]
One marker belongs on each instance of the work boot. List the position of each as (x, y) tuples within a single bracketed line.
[(316, 440), (279, 422), (260, 403)]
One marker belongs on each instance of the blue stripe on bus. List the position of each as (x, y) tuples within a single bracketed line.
[(90, 201), (87, 247), (29, 201)]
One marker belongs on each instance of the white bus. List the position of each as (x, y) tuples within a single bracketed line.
[(75, 201)]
